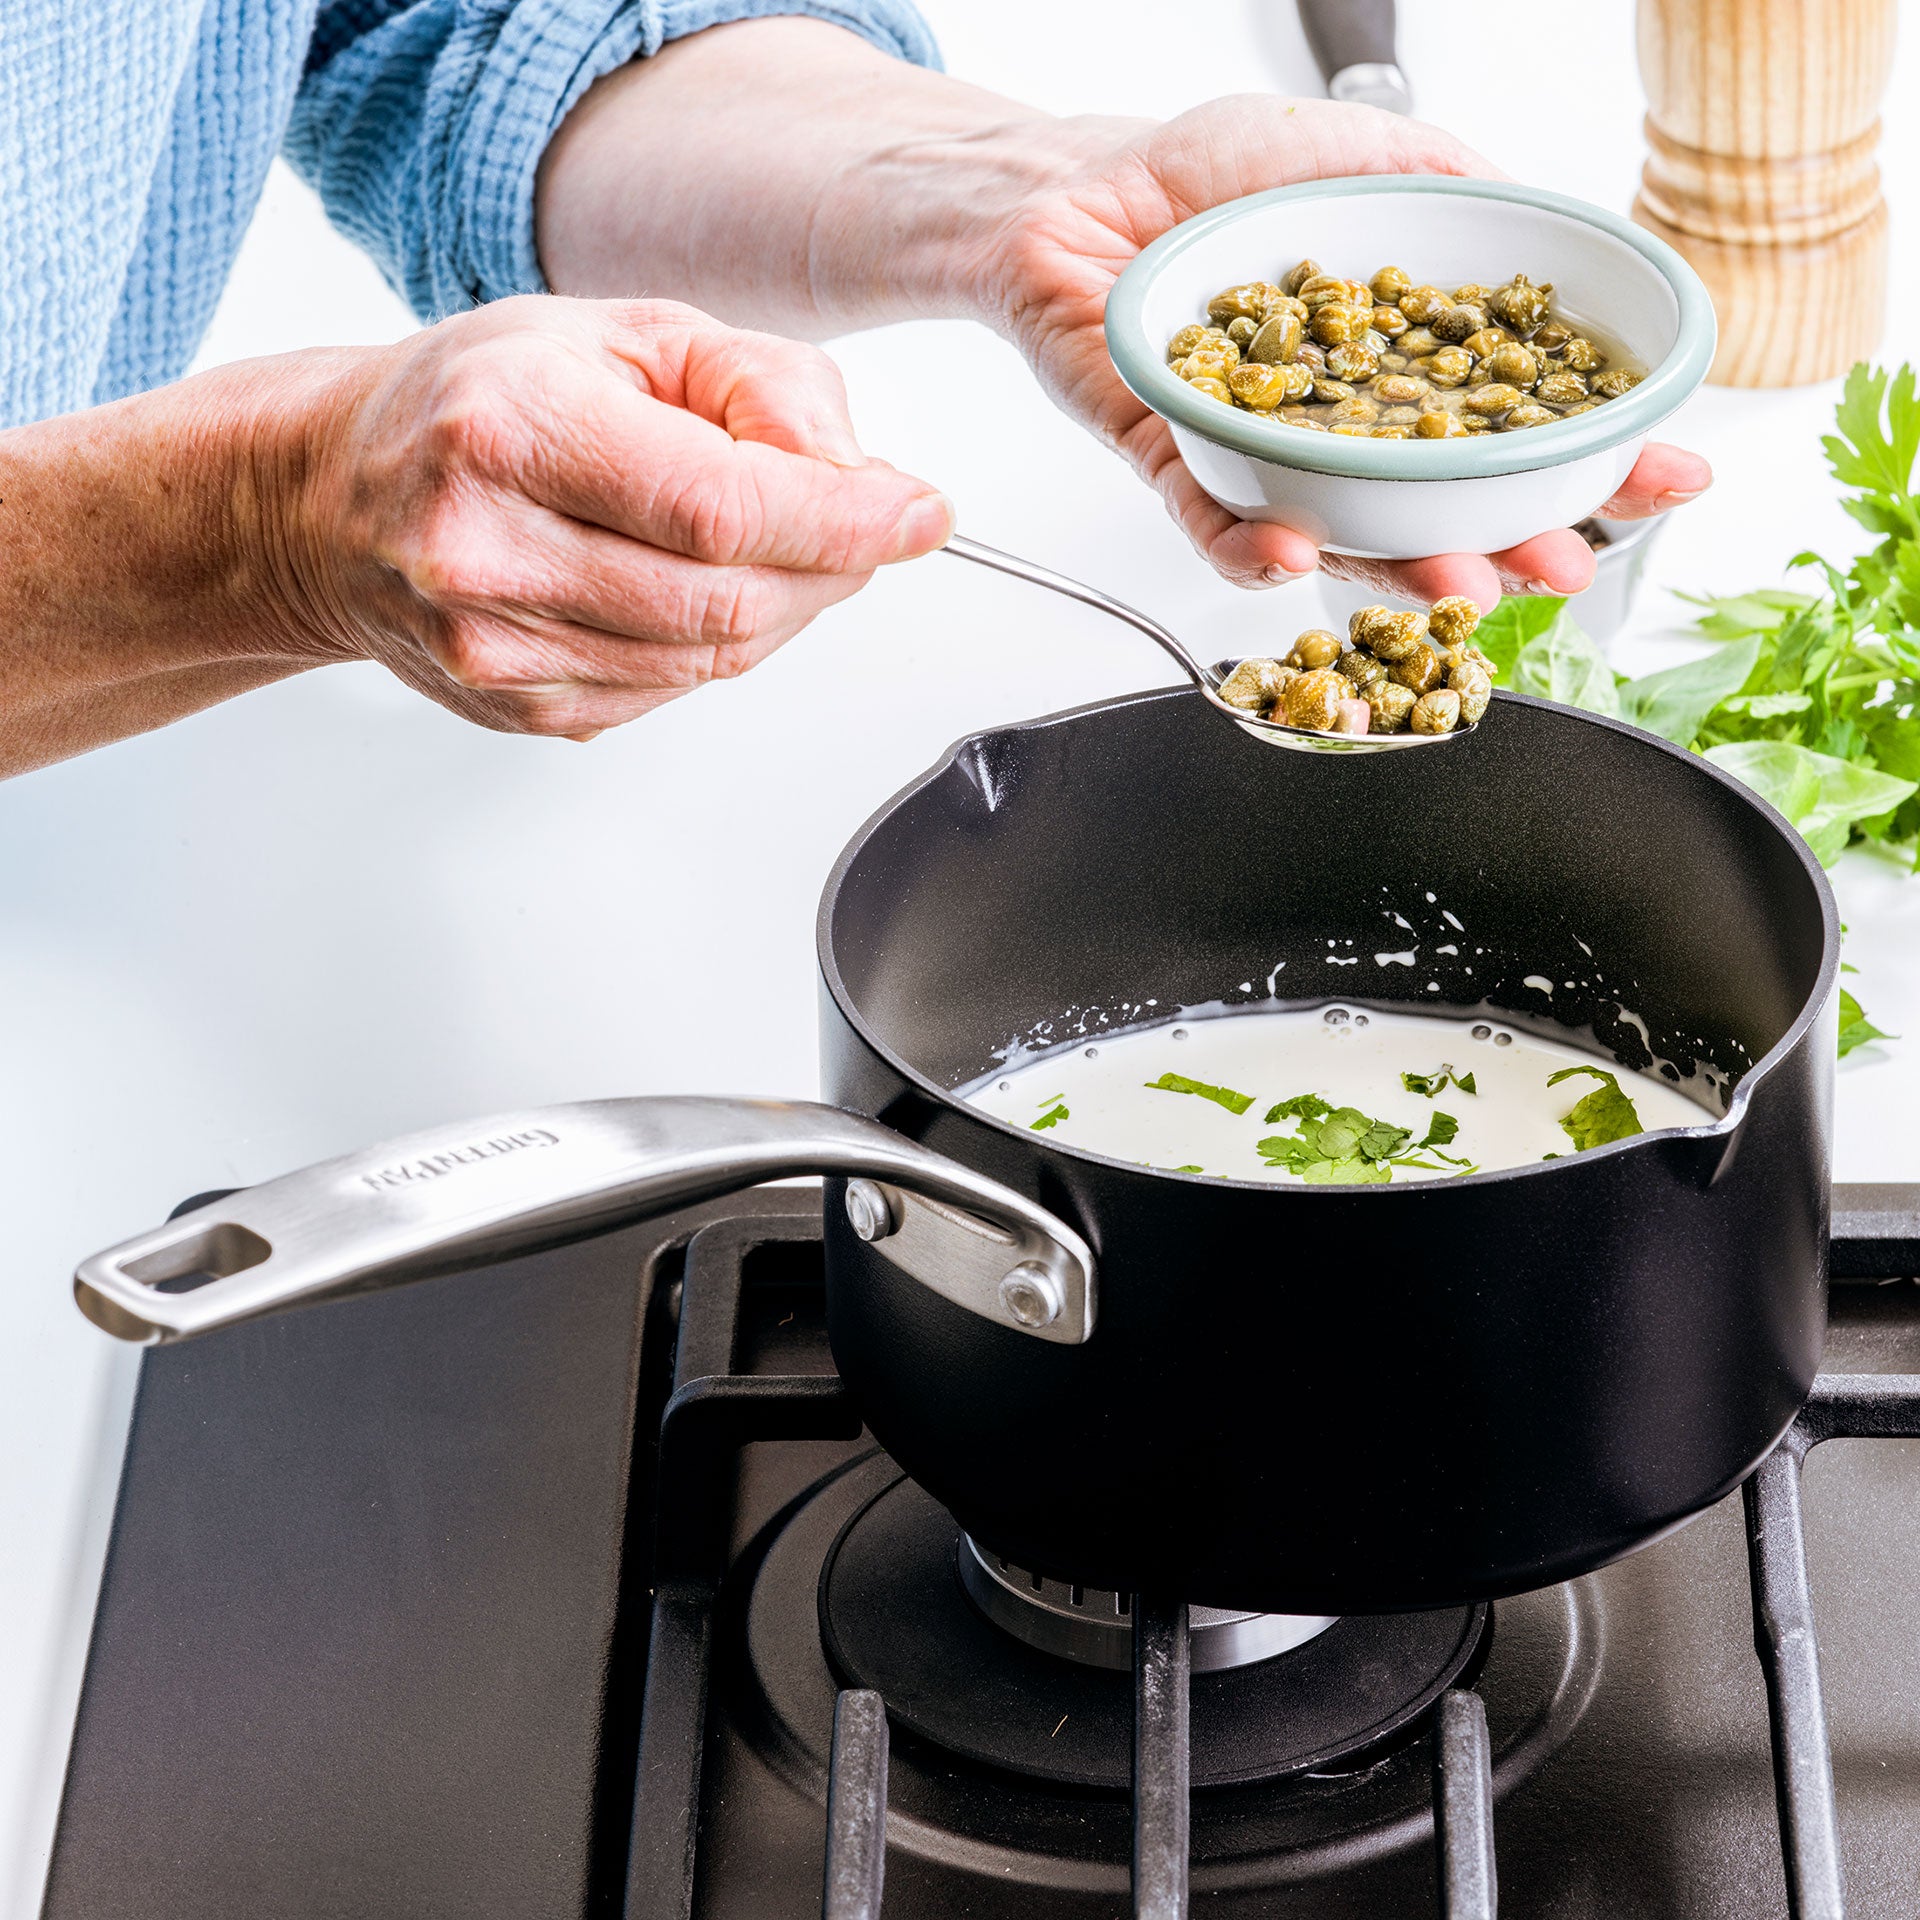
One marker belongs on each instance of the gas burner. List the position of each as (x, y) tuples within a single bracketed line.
[(1094, 1625), (895, 1616)]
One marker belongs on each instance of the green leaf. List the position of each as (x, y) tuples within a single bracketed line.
[(1304, 1106), (1382, 1141), (1855, 1028), (1220, 1096), (1563, 664), (1733, 616), (1341, 1132), (1287, 1150), (1519, 618), (1879, 431), (1428, 1084), (1769, 706), (1186, 1169), (1051, 1119), (1441, 1130), (1352, 1171), (1822, 796), (1675, 702), (1604, 1114)]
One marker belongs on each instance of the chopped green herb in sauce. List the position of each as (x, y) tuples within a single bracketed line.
[(1604, 1115), (1341, 1146), (1051, 1118), (1428, 1084), (1220, 1096)]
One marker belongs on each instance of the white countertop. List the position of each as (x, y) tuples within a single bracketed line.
[(330, 912)]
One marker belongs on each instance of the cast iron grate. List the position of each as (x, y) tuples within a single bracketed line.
[(712, 1412)]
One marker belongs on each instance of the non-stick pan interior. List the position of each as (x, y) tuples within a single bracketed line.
[(1104, 868)]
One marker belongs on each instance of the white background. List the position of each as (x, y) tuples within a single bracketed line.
[(329, 912)]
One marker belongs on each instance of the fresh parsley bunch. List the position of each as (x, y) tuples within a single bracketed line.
[(1813, 699)]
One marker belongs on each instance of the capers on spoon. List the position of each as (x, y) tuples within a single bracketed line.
[(1240, 688)]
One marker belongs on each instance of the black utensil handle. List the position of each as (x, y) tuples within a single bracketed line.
[(1349, 33)]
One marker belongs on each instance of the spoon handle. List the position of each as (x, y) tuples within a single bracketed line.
[(965, 549)]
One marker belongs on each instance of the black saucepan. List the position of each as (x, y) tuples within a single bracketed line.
[(1304, 1399)]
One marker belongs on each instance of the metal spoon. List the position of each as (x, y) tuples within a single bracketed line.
[(1272, 733)]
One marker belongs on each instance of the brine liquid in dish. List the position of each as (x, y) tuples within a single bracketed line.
[(1335, 1095)]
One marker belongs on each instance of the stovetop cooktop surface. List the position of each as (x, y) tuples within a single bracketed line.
[(533, 1593)]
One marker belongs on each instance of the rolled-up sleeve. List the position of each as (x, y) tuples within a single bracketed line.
[(421, 122)]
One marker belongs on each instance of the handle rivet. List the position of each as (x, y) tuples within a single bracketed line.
[(1030, 1295), (869, 1212)]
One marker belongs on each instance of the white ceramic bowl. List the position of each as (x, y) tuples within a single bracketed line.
[(1401, 499)]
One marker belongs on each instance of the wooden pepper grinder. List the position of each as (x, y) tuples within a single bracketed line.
[(1763, 117)]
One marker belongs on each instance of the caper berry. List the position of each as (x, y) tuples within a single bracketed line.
[(1423, 305), (1361, 668), (1435, 712), (1528, 414), (1519, 304), (1488, 340), (1418, 668), (1217, 358), (1297, 277), (1552, 336), (1493, 398), (1352, 362), (1249, 302), (1403, 415), (1276, 340), (1389, 284), (1262, 388), (1449, 367), (1365, 622), (1393, 362), (1327, 393), (1474, 687), (1333, 324), (1451, 621), (1610, 386), (1241, 331), (1582, 355), (1314, 698), (1312, 356), (1388, 704), (1436, 425), (1213, 388), (1393, 637), (1390, 322), (1254, 685), (1562, 389), (1418, 341), (1457, 323), (1315, 648), (1399, 387), (1473, 294), (1361, 411), (1392, 430), (1514, 364), (1185, 341)]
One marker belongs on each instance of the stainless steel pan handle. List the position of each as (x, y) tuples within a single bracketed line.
[(486, 1190)]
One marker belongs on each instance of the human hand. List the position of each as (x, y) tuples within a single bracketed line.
[(1121, 185), (554, 515)]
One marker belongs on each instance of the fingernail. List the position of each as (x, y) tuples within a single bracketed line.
[(1540, 586), (593, 733), (1675, 497), (1278, 576), (924, 526)]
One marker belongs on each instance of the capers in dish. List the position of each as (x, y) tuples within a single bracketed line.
[(1393, 673), (1480, 359)]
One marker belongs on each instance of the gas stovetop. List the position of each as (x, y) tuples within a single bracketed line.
[(573, 1588)]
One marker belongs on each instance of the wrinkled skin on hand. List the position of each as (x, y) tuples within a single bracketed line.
[(1134, 180), (554, 515)]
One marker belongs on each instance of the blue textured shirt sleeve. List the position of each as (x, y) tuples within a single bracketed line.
[(421, 122)]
